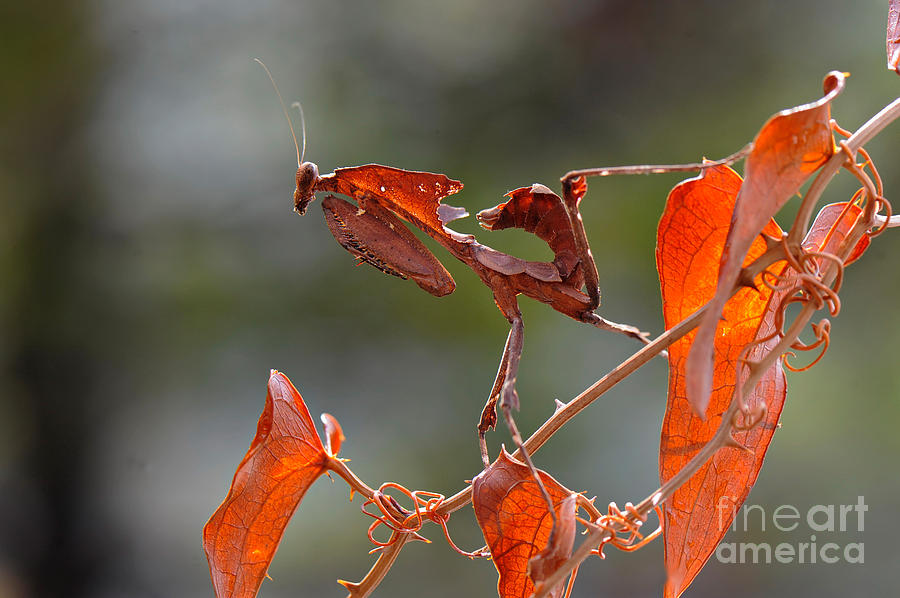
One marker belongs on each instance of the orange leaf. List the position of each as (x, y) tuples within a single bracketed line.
[(893, 36), (787, 150), (691, 236), (284, 459), (559, 546), (690, 240), (515, 521), (334, 434), (827, 232)]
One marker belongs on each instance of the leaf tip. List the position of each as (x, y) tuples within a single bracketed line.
[(334, 434)]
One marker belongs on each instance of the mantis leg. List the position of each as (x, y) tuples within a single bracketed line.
[(573, 191), (574, 187), (504, 388)]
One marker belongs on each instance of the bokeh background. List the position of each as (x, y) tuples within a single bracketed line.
[(151, 272)]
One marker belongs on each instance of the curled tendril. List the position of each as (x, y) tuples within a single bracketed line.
[(397, 518), (822, 330), (800, 282), (615, 522), (888, 212), (878, 200)]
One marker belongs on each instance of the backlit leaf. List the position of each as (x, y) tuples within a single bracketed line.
[(787, 150), (690, 240), (559, 547), (893, 36), (284, 459), (515, 521), (691, 236)]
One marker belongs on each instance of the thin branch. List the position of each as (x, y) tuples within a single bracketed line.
[(657, 168)]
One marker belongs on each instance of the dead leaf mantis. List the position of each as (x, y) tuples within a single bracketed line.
[(373, 231)]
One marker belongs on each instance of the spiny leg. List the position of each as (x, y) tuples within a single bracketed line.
[(488, 419), (574, 187), (626, 329), (509, 400), (573, 192)]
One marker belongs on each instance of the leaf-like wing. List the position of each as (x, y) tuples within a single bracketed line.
[(414, 196), (787, 150), (374, 235), (284, 459), (690, 239), (515, 520)]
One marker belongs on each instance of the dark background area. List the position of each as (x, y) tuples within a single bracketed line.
[(151, 272)]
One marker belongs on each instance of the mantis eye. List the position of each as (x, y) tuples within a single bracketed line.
[(307, 177)]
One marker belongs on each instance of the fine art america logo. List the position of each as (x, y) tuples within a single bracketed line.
[(814, 526)]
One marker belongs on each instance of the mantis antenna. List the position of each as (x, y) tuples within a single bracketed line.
[(285, 110), (302, 128)]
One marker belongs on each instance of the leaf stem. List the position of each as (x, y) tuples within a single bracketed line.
[(339, 466)]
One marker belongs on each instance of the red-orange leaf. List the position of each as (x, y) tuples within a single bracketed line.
[(827, 232), (691, 236), (893, 36), (284, 459), (515, 521), (690, 239), (559, 547), (787, 150)]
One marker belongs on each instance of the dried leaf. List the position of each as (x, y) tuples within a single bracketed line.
[(893, 36), (559, 547), (375, 236), (829, 228), (691, 236), (284, 459), (515, 521), (334, 434), (690, 240), (787, 150)]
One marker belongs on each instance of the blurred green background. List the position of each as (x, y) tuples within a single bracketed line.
[(151, 272)]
